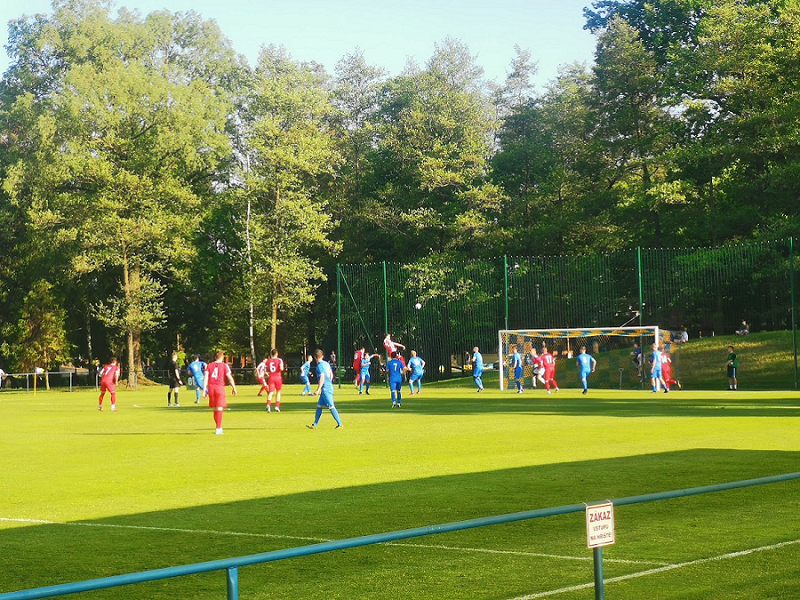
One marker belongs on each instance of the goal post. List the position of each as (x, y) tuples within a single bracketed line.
[(612, 347)]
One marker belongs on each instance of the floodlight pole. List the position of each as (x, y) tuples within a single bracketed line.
[(505, 293)]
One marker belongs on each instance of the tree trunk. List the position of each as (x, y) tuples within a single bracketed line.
[(131, 282), (273, 338)]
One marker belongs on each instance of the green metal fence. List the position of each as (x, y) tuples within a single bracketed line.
[(444, 309), (231, 565)]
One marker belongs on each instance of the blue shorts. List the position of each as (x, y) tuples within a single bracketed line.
[(656, 374), (325, 399), (415, 376), (303, 378), (732, 372), (396, 385), (585, 374), (365, 376), (477, 373), (517, 372)]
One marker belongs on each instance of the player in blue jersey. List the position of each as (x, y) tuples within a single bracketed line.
[(477, 368), (324, 391), (363, 374), (395, 371), (656, 374), (516, 366), (197, 369), (416, 367), (586, 364), (305, 369)]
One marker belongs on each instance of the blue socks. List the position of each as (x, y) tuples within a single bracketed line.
[(335, 414)]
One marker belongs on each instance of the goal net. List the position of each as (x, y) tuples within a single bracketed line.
[(620, 365)]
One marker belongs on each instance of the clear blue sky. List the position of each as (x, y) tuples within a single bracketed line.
[(387, 32)]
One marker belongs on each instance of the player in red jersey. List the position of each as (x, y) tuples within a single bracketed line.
[(538, 367), (261, 375), (359, 354), (666, 370), (275, 368), (391, 346), (109, 378), (217, 373), (549, 363)]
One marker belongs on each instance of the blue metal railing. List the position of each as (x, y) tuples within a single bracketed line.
[(231, 565)]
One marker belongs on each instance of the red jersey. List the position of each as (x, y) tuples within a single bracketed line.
[(548, 361), (274, 367), (666, 367), (217, 374), (357, 360), (261, 369), (390, 346), (109, 374), (537, 362)]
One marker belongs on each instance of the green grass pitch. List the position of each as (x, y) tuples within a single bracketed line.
[(89, 494)]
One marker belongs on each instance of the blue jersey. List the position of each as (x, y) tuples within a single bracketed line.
[(395, 369), (305, 369), (516, 360), (365, 364), (324, 370), (197, 369), (477, 364), (415, 362), (585, 362), (655, 360)]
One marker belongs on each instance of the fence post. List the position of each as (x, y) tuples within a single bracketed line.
[(233, 583), (599, 592), (505, 288), (641, 294), (339, 322), (792, 309)]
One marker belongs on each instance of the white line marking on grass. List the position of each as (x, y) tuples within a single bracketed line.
[(167, 529), (690, 563), (312, 539), (521, 553)]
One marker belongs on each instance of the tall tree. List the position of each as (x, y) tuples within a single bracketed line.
[(290, 160), (118, 143)]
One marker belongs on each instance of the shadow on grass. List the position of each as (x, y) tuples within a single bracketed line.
[(46, 554)]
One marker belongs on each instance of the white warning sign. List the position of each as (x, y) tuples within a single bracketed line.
[(600, 525)]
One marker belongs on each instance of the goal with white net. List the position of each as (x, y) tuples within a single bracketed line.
[(619, 364)]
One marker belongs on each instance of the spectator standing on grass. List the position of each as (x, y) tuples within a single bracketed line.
[(109, 378), (324, 391), (477, 368), (197, 370), (586, 363), (733, 366), (217, 374), (175, 383)]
